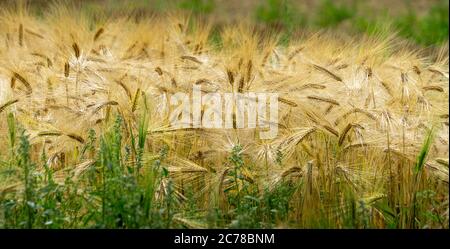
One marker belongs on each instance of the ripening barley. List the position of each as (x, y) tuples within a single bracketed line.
[(353, 116)]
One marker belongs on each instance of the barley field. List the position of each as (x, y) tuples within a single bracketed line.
[(86, 141)]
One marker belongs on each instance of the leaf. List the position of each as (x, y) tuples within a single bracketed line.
[(421, 158)]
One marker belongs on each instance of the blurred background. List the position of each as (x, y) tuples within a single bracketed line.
[(423, 22)]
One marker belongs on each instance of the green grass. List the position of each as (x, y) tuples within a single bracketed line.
[(286, 16), (279, 12), (429, 29), (280, 15), (113, 194), (198, 6), (331, 14), (120, 190), (110, 194)]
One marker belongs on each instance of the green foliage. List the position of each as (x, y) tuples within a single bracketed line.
[(273, 11), (113, 194), (126, 199), (428, 29), (424, 152), (280, 15), (11, 129), (42, 203), (252, 209), (286, 16), (12, 135), (368, 26), (29, 178), (330, 14), (198, 6)]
